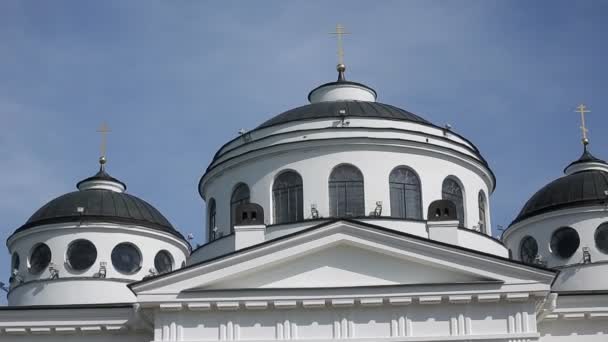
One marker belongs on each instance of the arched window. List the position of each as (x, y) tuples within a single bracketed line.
[(240, 195), (287, 198), (452, 191), (346, 196), (405, 194), (211, 224), (481, 199)]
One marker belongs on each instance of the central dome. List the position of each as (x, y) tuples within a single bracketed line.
[(342, 99), (341, 109)]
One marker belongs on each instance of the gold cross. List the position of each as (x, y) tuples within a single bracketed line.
[(104, 130), (583, 109), (340, 32)]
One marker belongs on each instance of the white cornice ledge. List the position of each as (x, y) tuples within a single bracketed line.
[(61, 329)]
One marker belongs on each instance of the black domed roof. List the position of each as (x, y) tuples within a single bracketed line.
[(574, 190), (340, 109), (100, 204)]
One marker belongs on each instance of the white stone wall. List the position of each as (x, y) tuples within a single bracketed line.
[(584, 220), (426, 319), (68, 323), (38, 289), (315, 162), (76, 336), (576, 317)]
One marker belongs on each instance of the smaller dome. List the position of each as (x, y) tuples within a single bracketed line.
[(100, 198), (575, 190)]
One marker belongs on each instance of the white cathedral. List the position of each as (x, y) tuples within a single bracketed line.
[(343, 219)]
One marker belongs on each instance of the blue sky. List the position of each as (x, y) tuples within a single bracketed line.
[(177, 79)]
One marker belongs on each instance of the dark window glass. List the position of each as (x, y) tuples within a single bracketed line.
[(452, 191), (81, 255), (346, 196), (211, 220), (564, 242), (528, 249), (126, 258), (287, 198), (163, 262), (482, 211), (601, 237), (406, 198), (40, 258), (15, 261), (240, 195)]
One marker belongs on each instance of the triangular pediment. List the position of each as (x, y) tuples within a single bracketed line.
[(343, 254), (342, 265)]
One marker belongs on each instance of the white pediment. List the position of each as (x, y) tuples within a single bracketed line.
[(343, 254), (343, 265)]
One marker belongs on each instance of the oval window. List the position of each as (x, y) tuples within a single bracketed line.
[(40, 258), (126, 258), (601, 237), (528, 250), (163, 262), (15, 261), (81, 255), (564, 242)]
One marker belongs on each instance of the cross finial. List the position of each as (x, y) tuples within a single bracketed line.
[(339, 33), (582, 109), (104, 130)]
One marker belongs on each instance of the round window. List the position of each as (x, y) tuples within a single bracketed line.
[(81, 255), (15, 261), (528, 249), (126, 258), (564, 242), (163, 262), (40, 258), (601, 237)]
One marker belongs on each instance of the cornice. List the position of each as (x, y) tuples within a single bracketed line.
[(478, 165)]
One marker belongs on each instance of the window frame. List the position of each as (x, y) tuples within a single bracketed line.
[(211, 219), (235, 203), (69, 249), (418, 215), (348, 187), (298, 188), (171, 259), (483, 212), (460, 209), (603, 249), (558, 234), (523, 241), (15, 259), (47, 262), (141, 258)]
